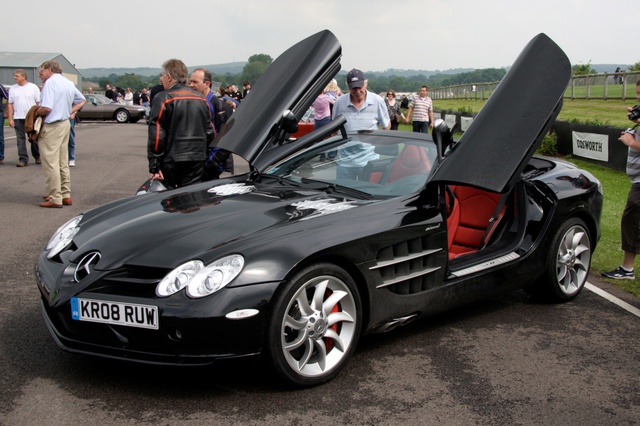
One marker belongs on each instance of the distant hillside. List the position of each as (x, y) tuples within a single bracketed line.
[(234, 68), (602, 68), (231, 68)]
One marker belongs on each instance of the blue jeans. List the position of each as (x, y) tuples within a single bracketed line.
[(343, 172), (421, 126), (72, 140)]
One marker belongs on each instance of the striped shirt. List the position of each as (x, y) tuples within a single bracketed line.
[(421, 108)]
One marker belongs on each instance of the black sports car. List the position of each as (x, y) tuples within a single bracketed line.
[(295, 262)]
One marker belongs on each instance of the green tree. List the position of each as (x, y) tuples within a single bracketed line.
[(255, 67), (635, 67), (583, 69), (261, 57)]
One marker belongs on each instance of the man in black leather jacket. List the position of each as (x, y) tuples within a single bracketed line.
[(179, 129)]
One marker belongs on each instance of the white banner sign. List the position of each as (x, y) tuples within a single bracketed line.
[(465, 122), (450, 119), (591, 145)]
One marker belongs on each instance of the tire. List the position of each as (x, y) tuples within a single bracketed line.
[(568, 262), (122, 116), (314, 326)]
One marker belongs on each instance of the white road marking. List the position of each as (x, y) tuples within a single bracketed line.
[(611, 298)]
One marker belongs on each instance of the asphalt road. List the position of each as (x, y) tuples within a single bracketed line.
[(504, 361)]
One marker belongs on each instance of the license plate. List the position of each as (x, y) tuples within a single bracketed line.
[(127, 314)]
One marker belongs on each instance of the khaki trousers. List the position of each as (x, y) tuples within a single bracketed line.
[(54, 153)]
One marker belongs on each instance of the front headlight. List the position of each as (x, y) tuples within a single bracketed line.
[(201, 280), (63, 237)]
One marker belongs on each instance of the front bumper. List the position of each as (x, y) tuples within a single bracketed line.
[(190, 332)]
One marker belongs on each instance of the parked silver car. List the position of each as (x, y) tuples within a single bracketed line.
[(99, 107)]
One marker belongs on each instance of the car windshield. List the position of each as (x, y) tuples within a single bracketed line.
[(98, 99), (368, 165)]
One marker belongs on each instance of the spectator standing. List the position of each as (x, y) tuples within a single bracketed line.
[(421, 111), (322, 110), (322, 115), (394, 110), (22, 96), (246, 88), (136, 98), (333, 89), (180, 129), (109, 93), (60, 98), (405, 102), (363, 110), (144, 98), (3, 95), (218, 160), (128, 97), (630, 222)]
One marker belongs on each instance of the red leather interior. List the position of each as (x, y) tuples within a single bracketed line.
[(412, 160), (469, 219)]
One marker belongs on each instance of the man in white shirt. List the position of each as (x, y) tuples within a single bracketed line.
[(22, 96), (60, 99)]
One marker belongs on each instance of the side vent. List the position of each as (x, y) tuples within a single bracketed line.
[(408, 267)]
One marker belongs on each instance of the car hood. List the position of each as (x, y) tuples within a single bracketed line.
[(494, 150), (291, 83), (164, 229)]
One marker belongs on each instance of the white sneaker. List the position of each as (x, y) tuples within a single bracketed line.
[(72, 163)]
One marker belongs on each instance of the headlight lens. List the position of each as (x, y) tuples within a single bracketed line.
[(201, 280), (178, 278), (63, 237)]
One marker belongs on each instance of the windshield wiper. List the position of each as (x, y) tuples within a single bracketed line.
[(281, 180), (332, 187)]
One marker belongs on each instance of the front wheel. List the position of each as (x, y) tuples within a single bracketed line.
[(122, 116), (568, 262), (314, 326)]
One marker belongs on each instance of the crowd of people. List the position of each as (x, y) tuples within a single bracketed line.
[(184, 117)]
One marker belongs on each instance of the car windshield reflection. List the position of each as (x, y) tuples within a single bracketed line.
[(375, 166)]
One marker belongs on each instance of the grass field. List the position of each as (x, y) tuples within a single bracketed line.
[(608, 254), (596, 112)]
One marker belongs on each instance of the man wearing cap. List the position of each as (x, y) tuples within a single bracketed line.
[(363, 110)]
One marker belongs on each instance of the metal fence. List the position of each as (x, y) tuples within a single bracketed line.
[(605, 86)]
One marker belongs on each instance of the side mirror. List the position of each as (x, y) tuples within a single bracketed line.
[(289, 122), (442, 136)]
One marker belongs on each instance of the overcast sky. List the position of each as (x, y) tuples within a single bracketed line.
[(375, 34)]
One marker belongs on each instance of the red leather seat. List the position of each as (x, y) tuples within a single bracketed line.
[(469, 223), (412, 160)]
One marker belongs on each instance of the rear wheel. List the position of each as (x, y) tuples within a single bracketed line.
[(314, 326), (568, 263), (122, 116)]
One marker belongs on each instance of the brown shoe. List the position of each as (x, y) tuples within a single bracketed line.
[(50, 205), (46, 197), (38, 161), (67, 201), (1, 162), (21, 164)]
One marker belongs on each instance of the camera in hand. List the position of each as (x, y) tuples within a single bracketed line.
[(634, 114)]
